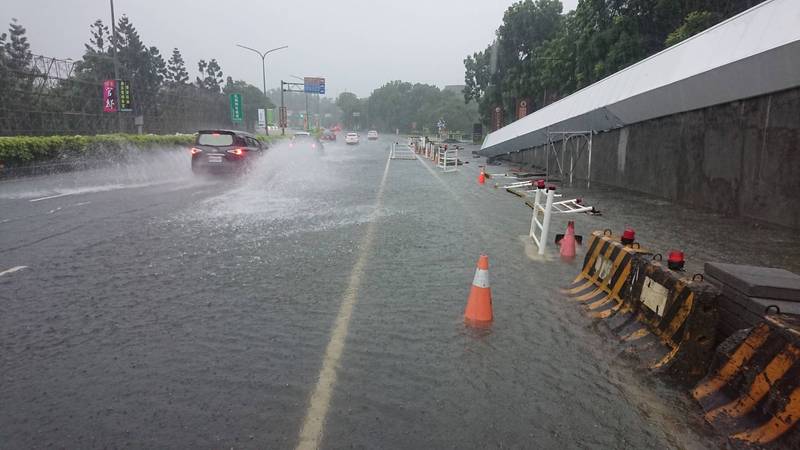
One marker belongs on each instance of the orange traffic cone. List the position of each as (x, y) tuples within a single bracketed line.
[(481, 177), (568, 241), (479, 304)]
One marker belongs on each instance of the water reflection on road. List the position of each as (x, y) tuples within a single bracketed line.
[(196, 312)]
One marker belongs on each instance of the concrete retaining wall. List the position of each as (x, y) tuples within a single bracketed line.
[(740, 158)]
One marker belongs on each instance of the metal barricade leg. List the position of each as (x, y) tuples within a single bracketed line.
[(548, 210), (536, 199)]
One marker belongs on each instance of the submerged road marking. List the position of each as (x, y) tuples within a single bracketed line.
[(476, 220), (103, 188), (12, 270), (314, 423), (48, 198)]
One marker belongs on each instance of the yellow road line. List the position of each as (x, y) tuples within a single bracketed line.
[(314, 423)]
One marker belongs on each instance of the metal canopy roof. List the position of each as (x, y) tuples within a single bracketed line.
[(753, 53)]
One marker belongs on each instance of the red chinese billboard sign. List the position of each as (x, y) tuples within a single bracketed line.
[(110, 96), (497, 118), (522, 108)]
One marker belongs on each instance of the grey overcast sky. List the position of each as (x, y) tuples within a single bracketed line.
[(358, 45)]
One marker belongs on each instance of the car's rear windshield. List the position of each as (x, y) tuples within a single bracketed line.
[(215, 139)]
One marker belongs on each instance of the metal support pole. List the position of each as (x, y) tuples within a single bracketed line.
[(536, 199), (264, 76), (551, 147), (116, 62), (264, 79), (571, 164), (589, 170)]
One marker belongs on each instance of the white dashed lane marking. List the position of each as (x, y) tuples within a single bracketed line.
[(12, 270)]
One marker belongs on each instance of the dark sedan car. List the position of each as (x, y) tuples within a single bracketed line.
[(225, 151)]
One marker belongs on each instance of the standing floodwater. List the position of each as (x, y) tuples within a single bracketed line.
[(197, 314)]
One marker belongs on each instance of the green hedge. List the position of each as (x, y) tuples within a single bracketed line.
[(21, 149), (25, 149), (271, 138)]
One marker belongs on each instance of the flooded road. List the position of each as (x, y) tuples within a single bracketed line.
[(316, 301)]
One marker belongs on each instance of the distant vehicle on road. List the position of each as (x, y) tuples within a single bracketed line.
[(351, 139), (304, 139), (328, 135), (372, 135), (225, 151)]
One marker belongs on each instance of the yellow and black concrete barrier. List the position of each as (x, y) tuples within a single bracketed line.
[(672, 321), (748, 385), (666, 320), (605, 275), (752, 390)]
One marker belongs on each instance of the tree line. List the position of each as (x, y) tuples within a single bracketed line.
[(408, 107), (541, 54), (36, 100)]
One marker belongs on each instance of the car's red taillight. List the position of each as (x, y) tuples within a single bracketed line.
[(195, 151), (236, 151), (313, 145)]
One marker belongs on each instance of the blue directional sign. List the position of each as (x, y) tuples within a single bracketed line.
[(314, 85)]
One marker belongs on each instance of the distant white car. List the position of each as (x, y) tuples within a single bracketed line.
[(372, 135), (351, 139)]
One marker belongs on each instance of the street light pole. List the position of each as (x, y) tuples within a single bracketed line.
[(280, 113), (263, 71), (116, 63)]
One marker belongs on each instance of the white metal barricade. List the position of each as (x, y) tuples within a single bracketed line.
[(518, 184), (448, 159), (401, 151), (547, 210)]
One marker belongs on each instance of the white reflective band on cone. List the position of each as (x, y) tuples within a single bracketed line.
[(481, 278)]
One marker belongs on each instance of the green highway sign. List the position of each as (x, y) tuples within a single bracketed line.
[(237, 113), (124, 92)]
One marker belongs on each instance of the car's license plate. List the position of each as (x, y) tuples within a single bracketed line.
[(214, 158)]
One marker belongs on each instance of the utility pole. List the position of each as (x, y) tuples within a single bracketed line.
[(264, 74), (281, 112), (306, 94), (116, 63), (294, 87)]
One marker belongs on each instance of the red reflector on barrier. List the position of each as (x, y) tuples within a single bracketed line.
[(675, 260), (628, 236)]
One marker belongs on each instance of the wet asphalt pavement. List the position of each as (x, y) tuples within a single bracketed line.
[(161, 310)]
